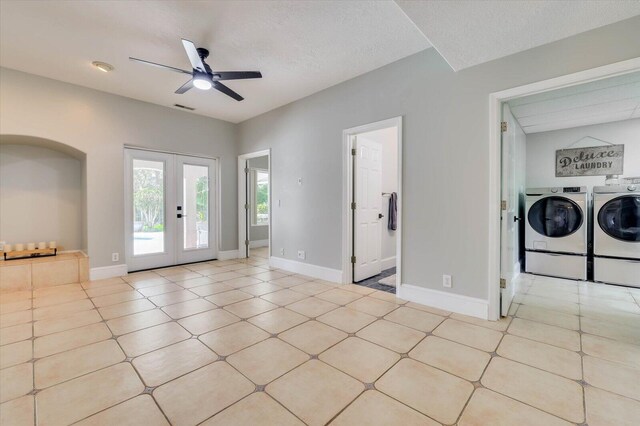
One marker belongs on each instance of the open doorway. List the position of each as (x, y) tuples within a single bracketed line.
[(254, 195), (372, 200), (569, 193)]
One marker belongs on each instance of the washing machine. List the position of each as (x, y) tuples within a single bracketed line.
[(616, 234), (556, 231)]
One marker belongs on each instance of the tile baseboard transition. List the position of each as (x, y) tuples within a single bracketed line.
[(105, 272), (319, 272), (258, 243), (457, 303), (121, 270), (228, 254), (387, 263)]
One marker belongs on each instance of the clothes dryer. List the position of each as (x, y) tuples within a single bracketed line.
[(556, 237), (616, 234)]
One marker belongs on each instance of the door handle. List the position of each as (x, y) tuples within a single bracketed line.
[(380, 215)]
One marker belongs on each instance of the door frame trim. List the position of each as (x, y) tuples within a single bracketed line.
[(347, 185), (217, 206), (242, 187), (495, 156)]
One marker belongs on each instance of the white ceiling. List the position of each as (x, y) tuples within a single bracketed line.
[(468, 33), (602, 101), (300, 47)]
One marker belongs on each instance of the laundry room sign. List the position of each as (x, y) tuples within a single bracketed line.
[(592, 161)]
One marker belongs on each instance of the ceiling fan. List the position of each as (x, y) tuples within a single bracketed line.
[(202, 77)]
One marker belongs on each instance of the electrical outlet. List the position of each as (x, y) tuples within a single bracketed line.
[(301, 254), (446, 281), (282, 252), (115, 257)]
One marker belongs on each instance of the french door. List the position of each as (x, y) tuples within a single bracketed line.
[(171, 212)]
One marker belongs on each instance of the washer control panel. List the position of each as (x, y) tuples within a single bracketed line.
[(571, 189)]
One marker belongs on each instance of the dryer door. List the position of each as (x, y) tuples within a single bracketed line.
[(555, 217), (557, 224), (619, 219)]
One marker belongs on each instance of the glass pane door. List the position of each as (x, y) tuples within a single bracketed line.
[(196, 196), (170, 205), (149, 194), (148, 207)]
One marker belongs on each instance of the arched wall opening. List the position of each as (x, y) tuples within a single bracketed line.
[(42, 192)]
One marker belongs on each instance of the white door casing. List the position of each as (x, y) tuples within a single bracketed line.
[(367, 221), (509, 255)]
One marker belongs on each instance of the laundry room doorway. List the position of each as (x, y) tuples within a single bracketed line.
[(254, 205), (372, 205), (544, 137)]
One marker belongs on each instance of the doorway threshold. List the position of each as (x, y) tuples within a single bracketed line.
[(374, 282)]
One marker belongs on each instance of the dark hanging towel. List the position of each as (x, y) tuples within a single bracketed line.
[(393, 212)]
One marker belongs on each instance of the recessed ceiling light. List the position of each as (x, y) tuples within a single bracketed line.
[(102, 66)]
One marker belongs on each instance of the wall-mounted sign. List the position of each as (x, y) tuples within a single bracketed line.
[(592, 161)]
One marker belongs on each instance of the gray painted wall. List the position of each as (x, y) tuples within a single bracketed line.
[(100, 124), (445, 158), (259, 233), (42, 196), (541, 152)]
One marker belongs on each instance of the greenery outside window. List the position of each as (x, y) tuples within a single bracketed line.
[(260, 197)]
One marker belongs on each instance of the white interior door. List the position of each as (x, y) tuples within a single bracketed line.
[(509, 250), (160, 189), (195, 210), (367, 216)]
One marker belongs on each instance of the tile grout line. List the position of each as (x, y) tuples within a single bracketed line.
[(378, 318)]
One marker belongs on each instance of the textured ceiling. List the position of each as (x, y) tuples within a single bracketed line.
[(602, 101), (468, 33), (300, 47)]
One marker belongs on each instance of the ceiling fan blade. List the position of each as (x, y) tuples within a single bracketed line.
[(153, 64), (192, 53), (188, 85), (236, 75), (224, 89)]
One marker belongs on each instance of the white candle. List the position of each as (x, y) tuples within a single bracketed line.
[(7, 248), (52, 244), (42, 245), (19, 247), (31, 246)]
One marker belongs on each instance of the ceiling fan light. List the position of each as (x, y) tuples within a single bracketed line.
[(202, 83)]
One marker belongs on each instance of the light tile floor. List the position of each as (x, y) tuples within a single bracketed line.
[(217, 343)]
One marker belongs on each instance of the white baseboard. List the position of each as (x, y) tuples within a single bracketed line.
[(387, 263), (228, 254), (104, 272), (319, 272), (258, 243), (464, 305)]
